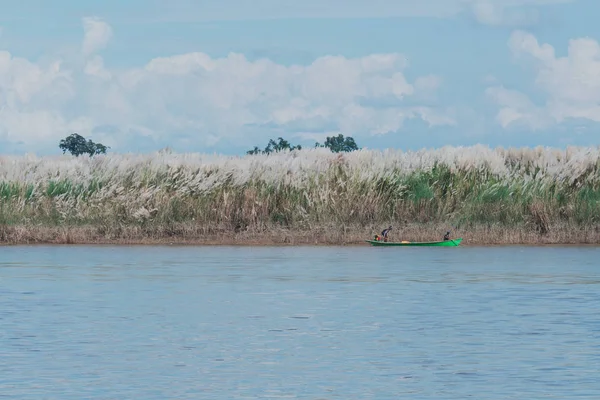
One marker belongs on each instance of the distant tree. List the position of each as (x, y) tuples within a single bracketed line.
[(78, 145), (339, 144), (255, 150), (272, 146)]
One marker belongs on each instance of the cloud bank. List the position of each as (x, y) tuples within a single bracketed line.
[(195, 99), (571, 84)]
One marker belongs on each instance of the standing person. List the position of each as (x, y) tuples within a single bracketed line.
[(385, 232)]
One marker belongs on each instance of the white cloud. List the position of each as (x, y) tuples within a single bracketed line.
[(497, 13), (571, 83), (97, 35), (95, 67), (205, 99), (487, 12), (525, 44), (517, 108)]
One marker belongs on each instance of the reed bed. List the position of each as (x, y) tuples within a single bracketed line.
[(485, 195)]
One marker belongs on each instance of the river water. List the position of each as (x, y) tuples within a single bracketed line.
[(101, 322)]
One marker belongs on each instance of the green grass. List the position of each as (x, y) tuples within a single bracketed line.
[(336, 191)]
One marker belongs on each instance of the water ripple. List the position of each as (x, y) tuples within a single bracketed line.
[(97, 322)]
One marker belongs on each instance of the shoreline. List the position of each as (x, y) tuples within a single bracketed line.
[(274, 245), (308, 197), (277, 236)]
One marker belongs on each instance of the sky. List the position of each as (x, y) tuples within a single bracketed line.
[(227, 75)]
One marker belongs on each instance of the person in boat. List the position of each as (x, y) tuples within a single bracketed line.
[(447, 236), (385, 233)]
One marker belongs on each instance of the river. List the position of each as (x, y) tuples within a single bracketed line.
[(147, 322)]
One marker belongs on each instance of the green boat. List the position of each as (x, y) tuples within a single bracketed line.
[(446, 243)]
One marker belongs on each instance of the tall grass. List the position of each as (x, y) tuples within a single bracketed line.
[(533, 190)]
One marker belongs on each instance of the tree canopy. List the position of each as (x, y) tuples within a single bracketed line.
[(280, 145), (336, 144), (339, 144), (78, 145)]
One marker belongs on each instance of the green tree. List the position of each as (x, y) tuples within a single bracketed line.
[(255, 150), (339, 144), (272, 146), (78, 145)]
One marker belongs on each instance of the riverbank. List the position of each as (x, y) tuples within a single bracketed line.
[(189, 235), (312, 196)]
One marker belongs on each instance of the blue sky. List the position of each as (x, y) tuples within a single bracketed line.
[(223, 76)]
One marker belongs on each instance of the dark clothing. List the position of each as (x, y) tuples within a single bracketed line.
[(447, 236), (385, 232)]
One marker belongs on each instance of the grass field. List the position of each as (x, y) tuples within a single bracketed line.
[(485, 195)]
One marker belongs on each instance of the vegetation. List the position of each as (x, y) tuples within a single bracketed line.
[(77, 145), (336, 144), (546, 194), (339, 144), (274, 146)]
